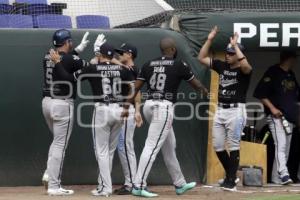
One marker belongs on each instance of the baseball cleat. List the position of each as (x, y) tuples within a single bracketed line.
[(136, 192), (125, 190), (45, 180), (143, 193), (286, 180), (186, 187), (97, 192), (59, 192), (221, 181), (229, 185)]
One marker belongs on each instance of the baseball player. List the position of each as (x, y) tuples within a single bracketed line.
[(163, 76), (106, 80), (278, 90), (127, 54), (230, 117), (57, 105)]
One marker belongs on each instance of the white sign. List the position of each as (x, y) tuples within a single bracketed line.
[(267, 32)]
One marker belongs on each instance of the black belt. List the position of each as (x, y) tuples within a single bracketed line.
[(228, 105), (121, 104), (59, 98)]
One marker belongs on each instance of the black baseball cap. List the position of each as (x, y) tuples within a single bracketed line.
[(125, 47), (230, 48), (107, 49)]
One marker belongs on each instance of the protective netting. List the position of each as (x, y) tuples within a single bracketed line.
[(104, 14)]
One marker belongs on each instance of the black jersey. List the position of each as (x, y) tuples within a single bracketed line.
[(233, 83), (134, 72), (106, 80), (282, 89), (163, 76), (53, 79)]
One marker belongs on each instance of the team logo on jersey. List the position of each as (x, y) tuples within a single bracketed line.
[(288, 85), (227, 82), (267, 79)]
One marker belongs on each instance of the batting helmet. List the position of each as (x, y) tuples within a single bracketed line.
[(60, 37)]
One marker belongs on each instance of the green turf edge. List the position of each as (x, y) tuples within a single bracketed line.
[(281, 197)]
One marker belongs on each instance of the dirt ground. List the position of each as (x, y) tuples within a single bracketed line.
[(165, 192)]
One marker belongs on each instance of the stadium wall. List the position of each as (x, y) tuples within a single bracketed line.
[(25, 139)]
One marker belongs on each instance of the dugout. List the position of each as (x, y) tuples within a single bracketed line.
[(25, 138)]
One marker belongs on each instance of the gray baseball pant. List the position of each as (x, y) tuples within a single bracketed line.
[(107, 124), (126, 148), (228, 126), (282, 143), (160, 136), (59, 117)]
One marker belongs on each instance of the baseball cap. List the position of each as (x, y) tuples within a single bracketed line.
[(230, 48), (107, 49), (125, 47)]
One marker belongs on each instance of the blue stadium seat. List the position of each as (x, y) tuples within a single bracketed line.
[(4, 21), (92, 21), (38, 9), (4, 1), (6, 8), (32, 1), (16, 21), (53, 21)]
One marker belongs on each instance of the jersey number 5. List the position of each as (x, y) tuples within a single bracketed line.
[(158, 81), (49, 78)]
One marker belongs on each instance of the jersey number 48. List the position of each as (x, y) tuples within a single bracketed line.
[(158, 81)]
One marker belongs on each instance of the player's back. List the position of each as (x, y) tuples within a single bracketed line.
[(106, 80), (163, 76), (54, 84)]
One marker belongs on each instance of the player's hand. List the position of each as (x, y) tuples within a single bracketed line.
[(100, 40), (54, 56), (234, 39), (84, 43), (276, 113), (125, 114), (127, 67), (138, 119), (213, 33)]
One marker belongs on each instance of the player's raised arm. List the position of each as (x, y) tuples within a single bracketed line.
[(203, 55), (244, 64)]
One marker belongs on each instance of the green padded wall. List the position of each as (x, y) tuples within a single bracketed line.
[(25, 139)]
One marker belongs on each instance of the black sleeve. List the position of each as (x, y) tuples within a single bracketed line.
[(84, 72), (142, 73), (135, 71), (78, 63), (263, 88), (217, 65), (128, 75), (185, 71), (63, 74)]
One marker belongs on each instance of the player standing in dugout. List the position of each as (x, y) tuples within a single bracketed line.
[(230, 116), (278, 90)]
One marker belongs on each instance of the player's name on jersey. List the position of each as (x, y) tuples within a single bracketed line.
[(108, 67), (162, 62), (159, 69)]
